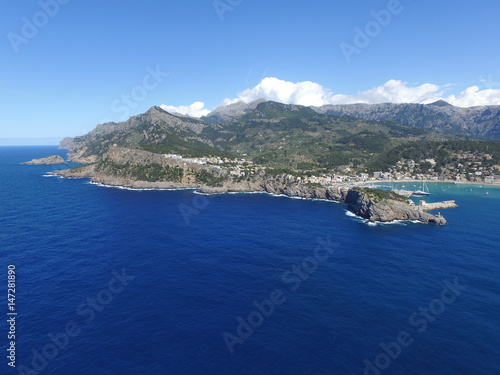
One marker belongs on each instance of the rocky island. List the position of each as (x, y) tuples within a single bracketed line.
[(48, 160)]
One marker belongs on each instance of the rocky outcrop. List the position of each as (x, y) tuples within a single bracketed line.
[(387, 210), (361, 204), (53, 159)]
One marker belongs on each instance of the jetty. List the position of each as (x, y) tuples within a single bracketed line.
[(424, 206)]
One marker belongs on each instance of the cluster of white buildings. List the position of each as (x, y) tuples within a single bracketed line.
[(494, 179), (334, 179), (237, 167), (209, 160), (199, 161)]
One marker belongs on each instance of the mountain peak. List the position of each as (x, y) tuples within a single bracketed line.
[(271, 109), (440, 103), (232, 111), (155, 109)]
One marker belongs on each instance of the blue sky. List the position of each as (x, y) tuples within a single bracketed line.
[(69, 64)]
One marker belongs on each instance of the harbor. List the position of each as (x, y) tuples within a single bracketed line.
[(422, 204)]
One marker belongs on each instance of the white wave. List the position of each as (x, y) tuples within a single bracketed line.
[(278, 195), (398, 222), (322, 200), (356, 217), (417, 222), (227, 192), (207, 194), (351, 214), (381, 223), (394, 222)]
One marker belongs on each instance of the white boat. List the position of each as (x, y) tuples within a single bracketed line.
[(422, 192)]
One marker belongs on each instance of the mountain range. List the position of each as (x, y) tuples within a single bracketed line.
[(305, 139), (481, 122)]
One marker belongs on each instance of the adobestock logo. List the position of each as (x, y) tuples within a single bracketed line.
[(199, 203), (31, 26), (127, 102), (264, 309), (57, 343), (364, 36), (223, 6), (489, 82), (419, 322)]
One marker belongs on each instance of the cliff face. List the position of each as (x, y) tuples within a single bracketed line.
[(360, 203), (387, 210), (337, 194)]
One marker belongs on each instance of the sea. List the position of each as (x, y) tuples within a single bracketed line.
[(111, 281)]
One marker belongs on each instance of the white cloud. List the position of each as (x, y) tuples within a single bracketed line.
[(313, 94), (393, 91), (197, 109), (303, 93), (473, 96)]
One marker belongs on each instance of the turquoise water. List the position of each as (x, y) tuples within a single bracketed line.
[(113, 281)]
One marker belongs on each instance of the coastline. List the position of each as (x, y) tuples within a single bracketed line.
[(349, 213), (212, 192), (364, 204)]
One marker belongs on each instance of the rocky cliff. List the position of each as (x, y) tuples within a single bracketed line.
[(387, 210), (360, 202)]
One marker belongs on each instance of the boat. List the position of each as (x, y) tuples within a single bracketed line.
[(421, 192)]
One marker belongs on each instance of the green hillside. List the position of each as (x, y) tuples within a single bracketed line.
[(292, 138)]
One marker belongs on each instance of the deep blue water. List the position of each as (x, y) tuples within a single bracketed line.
[(199, 263)]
